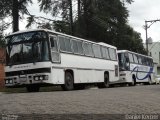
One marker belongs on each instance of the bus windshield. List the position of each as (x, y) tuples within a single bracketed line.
[(123, 61), (26, 48)]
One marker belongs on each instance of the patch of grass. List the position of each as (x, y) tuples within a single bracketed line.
[(13, 90), (23, 90), (51, 88)]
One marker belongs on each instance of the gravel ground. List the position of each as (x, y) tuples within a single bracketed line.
[(143, 99)]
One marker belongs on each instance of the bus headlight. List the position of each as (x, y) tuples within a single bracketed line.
[(11, 81), (6, 82), (36, 78), (41, 78)]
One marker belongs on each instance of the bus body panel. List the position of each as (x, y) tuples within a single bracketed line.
[(85, 69), (141, 73)]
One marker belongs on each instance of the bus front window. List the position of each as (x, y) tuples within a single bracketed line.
[(123, 61), (27, 47)]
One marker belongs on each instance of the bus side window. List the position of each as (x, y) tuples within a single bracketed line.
[(130, 57), (105, 53), (112, 53), (87, 49), (77, 47), (68, 44), (144, 62), (97, 51), (150, 62), (147, 61), (53, 44), (62, 43), (80, 48), (140, 59), (54, 49), (135, 58)]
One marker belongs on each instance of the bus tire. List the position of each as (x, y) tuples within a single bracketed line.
[(33, 88), (133, 83), (69, 82), (105, 84)]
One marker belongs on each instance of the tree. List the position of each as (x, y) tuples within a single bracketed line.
[(15, 15), (97, 20), (130, 40), (129, 1), (56, 7), (100, 21), (14, 8), (2, 41), (103, 17)]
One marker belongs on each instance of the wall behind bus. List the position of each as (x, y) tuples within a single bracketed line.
[(2, 64)]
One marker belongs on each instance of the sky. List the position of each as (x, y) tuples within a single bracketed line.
[(139, 11)]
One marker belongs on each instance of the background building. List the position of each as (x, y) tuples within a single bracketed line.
[(154, 52)]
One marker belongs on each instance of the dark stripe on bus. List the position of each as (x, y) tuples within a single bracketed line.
[(30, 71)]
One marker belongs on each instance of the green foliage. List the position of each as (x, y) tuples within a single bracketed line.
[(2, 41), (129, 1), (98, 20), (129, 39), (55, 7), (30, 21), (7, 9), (61, 26)]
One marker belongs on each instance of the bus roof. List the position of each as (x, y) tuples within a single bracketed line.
[(123, 51), (107, 45), (46, 30)]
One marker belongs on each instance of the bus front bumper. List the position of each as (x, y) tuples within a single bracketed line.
[(21, 80)]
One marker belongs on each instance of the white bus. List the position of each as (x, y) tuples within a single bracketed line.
[(135, 68), (41, 57)]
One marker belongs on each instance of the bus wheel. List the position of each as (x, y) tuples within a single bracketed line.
[(69, 82), (33, 88), (133, 83), (105, 84)]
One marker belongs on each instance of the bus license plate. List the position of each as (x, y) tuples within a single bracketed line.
[(23, 77)]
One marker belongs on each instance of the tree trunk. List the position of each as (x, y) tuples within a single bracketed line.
[(15, 15), (79, 8), (71, 17), (86, 18)]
